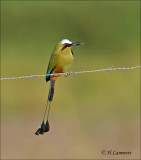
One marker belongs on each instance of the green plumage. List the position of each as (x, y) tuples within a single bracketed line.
[(60, 58)]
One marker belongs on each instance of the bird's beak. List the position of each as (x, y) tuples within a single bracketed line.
[(76, 44), (71, 44)]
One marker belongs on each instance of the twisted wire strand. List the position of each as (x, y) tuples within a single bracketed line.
[(69, 73)]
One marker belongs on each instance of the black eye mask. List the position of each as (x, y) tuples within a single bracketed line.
[(66, 45)]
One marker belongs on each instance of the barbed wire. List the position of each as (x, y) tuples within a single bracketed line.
[(69, 73)]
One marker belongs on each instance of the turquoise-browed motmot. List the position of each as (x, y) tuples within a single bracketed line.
[(61, 59)]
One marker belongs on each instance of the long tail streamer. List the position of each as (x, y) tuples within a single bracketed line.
[(44, 127)]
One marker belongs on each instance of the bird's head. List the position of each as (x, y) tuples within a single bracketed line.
[(65, 44), (68, 44)]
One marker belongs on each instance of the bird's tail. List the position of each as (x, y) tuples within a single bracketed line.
[(44, 127), (51, 90)]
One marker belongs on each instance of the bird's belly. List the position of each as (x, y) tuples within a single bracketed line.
[(65, 61)]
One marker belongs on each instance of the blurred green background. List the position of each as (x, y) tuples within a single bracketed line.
[(90, 112)]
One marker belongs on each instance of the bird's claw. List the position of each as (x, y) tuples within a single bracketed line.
[(67, 74)]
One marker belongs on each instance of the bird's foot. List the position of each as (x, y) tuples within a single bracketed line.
[(67, 74)]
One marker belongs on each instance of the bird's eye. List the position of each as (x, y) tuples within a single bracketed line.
[(65, 45)]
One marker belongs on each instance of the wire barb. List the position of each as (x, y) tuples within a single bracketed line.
[(69, 73)]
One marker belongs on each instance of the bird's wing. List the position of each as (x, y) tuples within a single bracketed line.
[(51, 66)]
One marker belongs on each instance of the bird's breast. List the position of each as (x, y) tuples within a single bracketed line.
[(65, 60)]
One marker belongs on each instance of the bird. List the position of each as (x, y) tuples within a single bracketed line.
[(60, 60)]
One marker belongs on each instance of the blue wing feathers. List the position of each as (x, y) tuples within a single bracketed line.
[(48, 76)]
